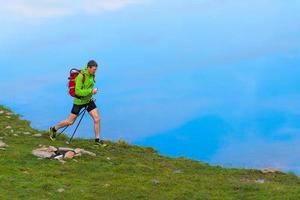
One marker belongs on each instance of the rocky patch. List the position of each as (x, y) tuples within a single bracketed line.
[(60, 153), (270, 170)]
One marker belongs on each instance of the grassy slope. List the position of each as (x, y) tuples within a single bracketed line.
[(132, 172)]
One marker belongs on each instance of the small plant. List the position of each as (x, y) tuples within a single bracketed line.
[(123, 144)]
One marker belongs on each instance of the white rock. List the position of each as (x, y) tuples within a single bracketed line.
[(270, 170), (8, 127), (77, 150), (65, 149), (154, 181), (78, 154), (37, 135), (1, 111), (2, 144), (51, 148), (87, 152), (260, 180), (61, 190), (26, 133), (42, 154), (177, 171)]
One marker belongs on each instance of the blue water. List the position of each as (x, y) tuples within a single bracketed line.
[(216, 81)]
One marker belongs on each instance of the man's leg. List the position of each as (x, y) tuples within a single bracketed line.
[(69, 121), (97, 126)]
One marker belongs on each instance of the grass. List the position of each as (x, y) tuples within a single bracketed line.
[(123, 171)]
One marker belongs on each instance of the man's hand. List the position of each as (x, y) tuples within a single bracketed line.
[(95, 90)]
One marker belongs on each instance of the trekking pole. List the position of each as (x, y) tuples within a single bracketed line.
[(77, 126), (84, 111), (67, 126)]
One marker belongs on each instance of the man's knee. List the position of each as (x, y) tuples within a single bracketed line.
[(97, 119), (70, 122)]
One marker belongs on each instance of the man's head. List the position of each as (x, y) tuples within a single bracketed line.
[(92, 67)]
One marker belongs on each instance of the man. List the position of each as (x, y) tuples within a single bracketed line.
[(84, 92)]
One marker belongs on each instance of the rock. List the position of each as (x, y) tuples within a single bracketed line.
[(42, 153), (177, 171), (9, 113), (87, 152), (77, 150), (8, 117), (78, 154), (106, 185), (154, 181), (26, 133), (61, 153), (16, 135), (61, 190), (270, 170), (51, 148), (69, 155), (8, 127), (1, 138), (44, 148), (2, 144), (37, 135), (65, 149), (108, 158), (261, 180), (1, 111)]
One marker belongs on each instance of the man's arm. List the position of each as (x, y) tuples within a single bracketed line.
[(78, 90)]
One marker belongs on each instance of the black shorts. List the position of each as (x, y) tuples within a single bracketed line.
[(76, 108)]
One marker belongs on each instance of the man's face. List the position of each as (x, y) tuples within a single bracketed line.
[(92, 70)]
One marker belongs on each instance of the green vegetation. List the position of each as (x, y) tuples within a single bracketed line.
[(122, 171)]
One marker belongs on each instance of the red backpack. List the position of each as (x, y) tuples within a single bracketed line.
[(73, 74)]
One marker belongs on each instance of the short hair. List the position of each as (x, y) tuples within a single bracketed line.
[(92, 63)]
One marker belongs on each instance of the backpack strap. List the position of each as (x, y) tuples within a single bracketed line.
[(83, 78)]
